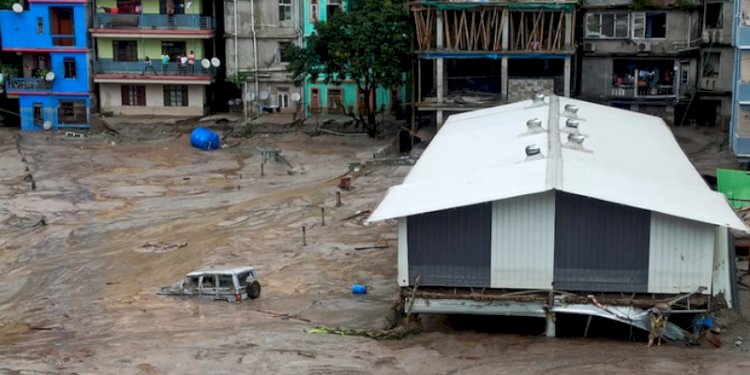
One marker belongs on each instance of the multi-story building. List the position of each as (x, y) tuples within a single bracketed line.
[(138, 46), (739, 130), (479, 54), (48, 38), (345, 97), (642, 59), (257, 33), (712, 106)]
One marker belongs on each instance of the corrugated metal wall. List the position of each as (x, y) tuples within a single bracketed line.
[(451, 247), (600, 246), (680, 255), (523, 242)]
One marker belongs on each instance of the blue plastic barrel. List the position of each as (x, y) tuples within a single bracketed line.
[(359, 289), (205, 139)]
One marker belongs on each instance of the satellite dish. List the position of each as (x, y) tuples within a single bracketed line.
[(250, 96), (263, 95), (215, 62), (296, 97), (50, 76), (205, 63), (47, 125), (18, 8)]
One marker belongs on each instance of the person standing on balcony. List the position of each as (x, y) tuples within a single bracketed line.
[(148, 65), (191, 61), (164, 62), (182, 63)]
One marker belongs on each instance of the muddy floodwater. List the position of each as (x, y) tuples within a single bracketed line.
[(91, 228)]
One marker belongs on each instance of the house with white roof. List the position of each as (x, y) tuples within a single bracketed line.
[(573, 202)]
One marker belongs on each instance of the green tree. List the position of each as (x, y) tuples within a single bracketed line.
[(369, 44)]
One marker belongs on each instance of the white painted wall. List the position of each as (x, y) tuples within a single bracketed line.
[(111, 101), (681, 255), (523, 242)]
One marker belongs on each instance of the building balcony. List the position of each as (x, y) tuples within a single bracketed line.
[(643, 92), (106, 70), (114, 25), (16, 85)]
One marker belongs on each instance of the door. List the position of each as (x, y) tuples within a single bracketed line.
[(283, 98), (335, 101), (683, 80), (126, 50), (315, 100), (208, 285), (128, 6), (61, 26)]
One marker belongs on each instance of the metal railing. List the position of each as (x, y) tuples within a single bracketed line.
[(631, 91), (153, 21), (16, 83), (63, 39), (108, 66)]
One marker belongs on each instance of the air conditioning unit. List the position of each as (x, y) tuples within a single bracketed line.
[(589, 47), (644, 47)]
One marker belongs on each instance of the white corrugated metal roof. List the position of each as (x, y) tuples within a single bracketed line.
[(628, 158)]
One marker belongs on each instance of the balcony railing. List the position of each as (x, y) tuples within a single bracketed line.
[(63, 40), (153, 21), (631, 91), (156, 68), (30, 84)]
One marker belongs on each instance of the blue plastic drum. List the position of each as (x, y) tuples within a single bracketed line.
[(359, 289), (205, 139)]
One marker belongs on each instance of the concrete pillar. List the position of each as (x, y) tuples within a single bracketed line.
[(566, 79), (551, 326), (568, 30), (439, 73), (504, 78), (504, 60)]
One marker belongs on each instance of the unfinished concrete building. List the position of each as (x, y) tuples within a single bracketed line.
[(713, 104), (257, 33), (642, 59), (478, 54)]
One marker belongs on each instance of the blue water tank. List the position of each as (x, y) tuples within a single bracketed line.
[(205, 139), (359, 289)]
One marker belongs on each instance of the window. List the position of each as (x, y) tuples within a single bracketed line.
[(333, 7), (743, 124), (283, 47), (174, 49), (711, 65), (713, 15), (72, 112), (285, 10), (172, 7), (70, 67), (649, 25), (175, 96), (335, 101), (40, 25), (313, 10), (125, 50), (38, 114), (283, 97), (61, 26), (133, 95), (607, 25)]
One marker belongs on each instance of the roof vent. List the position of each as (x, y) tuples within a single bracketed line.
[(538, 98), (533, 152), (571, 126), (571, 110), (534, 125)]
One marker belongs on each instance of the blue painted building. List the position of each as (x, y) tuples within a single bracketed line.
[(52, 86), (739, 130)]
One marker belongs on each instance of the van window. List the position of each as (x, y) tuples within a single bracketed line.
[(225, 281)]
